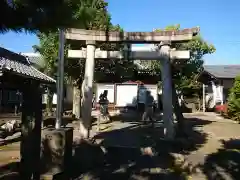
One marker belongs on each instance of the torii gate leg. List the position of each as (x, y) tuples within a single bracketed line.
[(167, 91), (87, 89)]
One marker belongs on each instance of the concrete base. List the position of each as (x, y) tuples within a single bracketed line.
[(56, 150)]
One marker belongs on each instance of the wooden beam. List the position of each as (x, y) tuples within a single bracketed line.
[(132, 37), (136, 55)]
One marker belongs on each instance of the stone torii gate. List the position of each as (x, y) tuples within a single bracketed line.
[(163, 53)]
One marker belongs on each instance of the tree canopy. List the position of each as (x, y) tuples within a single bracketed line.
[(185, 73), (233, 110), (74, 68), (44, 16)]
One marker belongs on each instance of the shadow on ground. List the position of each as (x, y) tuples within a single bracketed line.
[(120, 153), (130, 116), (9, 171), (47, 122), (145, 135), (135, 152), (225, 163), (120, 163), (133, 116), (50, 121)]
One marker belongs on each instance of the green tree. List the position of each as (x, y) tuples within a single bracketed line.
[(49, 41), (45, 16), (48, 44), (74, 68), (233, 110), (185, 73)]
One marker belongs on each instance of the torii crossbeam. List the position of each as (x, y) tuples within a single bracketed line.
[(133, 55), (132, 37)]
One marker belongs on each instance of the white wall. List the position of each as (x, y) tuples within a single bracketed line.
[(226, 84), (128, 93)]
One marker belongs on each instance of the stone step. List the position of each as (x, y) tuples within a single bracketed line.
[(52, 176)]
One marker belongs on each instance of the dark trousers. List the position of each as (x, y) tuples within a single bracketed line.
[(141, 107), (17, 109)]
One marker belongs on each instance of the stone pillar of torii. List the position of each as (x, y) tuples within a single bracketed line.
[(162, 52)]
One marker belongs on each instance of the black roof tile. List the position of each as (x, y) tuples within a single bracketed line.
[(223, 71), (13, 62)]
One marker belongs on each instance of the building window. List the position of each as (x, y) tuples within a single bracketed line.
[(13, 96)]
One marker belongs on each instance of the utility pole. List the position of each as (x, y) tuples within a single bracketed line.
[(60, 79)]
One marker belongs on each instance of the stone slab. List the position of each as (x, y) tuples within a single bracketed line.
[(56, 150)]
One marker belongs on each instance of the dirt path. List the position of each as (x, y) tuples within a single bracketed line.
[(9, 153), (219, 129)]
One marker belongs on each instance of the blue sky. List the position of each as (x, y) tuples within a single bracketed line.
[(217, 19)]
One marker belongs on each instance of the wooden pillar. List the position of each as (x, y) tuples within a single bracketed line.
[(87, 90), (31, 131), (204, 97), (167, 90)]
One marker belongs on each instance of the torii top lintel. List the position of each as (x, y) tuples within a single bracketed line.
[(132, 37)]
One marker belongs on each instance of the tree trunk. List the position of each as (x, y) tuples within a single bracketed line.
[(76, 101), (177, 110), (49, 102)]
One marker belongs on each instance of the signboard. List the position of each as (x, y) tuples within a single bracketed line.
[(109, 87), (126, 95)]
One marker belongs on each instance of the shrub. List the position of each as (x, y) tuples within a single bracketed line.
[(234, 100)]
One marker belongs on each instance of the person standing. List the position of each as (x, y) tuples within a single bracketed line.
[(148, 110), (103, 102), (94, 101), (141, 99), (18, 104)]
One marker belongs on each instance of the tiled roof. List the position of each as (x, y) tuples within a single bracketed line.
[(34, 58), (13, 62), (223, 71)]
